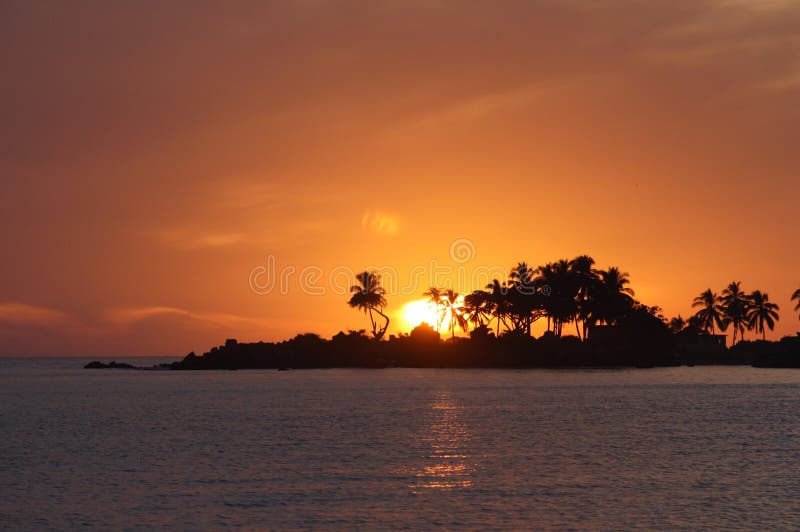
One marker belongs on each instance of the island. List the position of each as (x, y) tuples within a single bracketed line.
[(609, 347)]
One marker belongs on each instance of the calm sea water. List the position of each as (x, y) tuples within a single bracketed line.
[(677, 448)]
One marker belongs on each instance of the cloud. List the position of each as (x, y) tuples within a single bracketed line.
[(247, 211), (186, 240), (790, 82), (132, 315), (266, 192), (31, 315), (474, 108), (379, 223)]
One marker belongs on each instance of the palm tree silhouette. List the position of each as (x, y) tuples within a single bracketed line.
[(477, 308), (584, 277), (695, 323), (544, 281), (521, 298), (735, 306), (611, 297), (711, 311), (616, 282), (368, 295), (497, 302), (761, 312), (796, 295), (435, 296), (448, 305), (454, 310), (677, 324), (562, 304)]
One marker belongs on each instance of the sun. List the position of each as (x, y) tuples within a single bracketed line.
[(419, 311)]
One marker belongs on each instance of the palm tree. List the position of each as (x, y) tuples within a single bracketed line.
[(694, 323), (761, 312), (562, 305), (677, 324), (710, 312), (477, 308), (584, 277), (521, 276), (435, 296), (735, 306), (497, 302), (611, 296), (616, 281), (454, 310), (368, 295), (796, 295), (521, 298), (544, 281)]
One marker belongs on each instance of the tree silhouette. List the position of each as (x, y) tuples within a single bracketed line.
[(677, 324), (448, 305), (477, 308), (454, 311), (711, 312), (561, 304), (521, 300), (585, 279), (611, 297), (761, 312), (435, 296), (368, 295), (546, 278), (796, 295), (735, 305), (497, 303), (616, 282), (695, 324), (574, 291)]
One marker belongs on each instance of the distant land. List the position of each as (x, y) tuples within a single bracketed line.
[(646, 345)]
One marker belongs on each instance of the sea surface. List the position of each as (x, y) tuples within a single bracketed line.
[(669, 449)]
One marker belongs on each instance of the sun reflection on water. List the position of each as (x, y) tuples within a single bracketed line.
[(446, 463)]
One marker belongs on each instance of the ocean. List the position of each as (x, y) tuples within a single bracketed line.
[(665, 448)]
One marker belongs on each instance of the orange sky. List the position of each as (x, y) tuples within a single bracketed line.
[(152, 156)]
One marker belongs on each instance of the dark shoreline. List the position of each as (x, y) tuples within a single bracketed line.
[(426, 350)]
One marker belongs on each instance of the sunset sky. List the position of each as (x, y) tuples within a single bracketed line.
[(154, 154)]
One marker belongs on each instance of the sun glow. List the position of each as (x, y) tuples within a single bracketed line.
[(420, 311)]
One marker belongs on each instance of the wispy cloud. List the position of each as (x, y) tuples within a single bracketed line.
[(261, 192), (478, 107), (790, 82), (185, 239), (132, 315), (249, 212), (23, 314), (380, 223)]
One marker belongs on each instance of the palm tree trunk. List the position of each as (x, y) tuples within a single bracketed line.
[(379, 334), (372, 321)]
